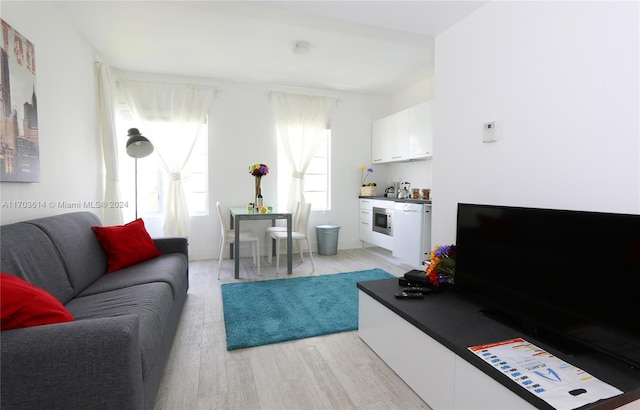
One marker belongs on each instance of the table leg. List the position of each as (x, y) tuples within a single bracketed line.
[(231, 224), (289, 246), (273, 241), (237, 248)]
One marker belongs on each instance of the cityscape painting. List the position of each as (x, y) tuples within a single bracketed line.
[(19, 140)]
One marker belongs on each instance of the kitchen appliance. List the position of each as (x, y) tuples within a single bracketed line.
[(382, 218), (390, 191), (412, 229)]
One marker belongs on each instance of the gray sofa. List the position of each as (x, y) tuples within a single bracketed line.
[(113, 355)]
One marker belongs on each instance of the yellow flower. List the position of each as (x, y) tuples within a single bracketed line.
[(362, 167)]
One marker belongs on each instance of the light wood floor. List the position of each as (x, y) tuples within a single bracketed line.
[(336, 371)]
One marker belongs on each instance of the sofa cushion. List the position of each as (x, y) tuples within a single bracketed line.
[(170, 269), (126, 244), (24, 305), (28, 253), (83, 257), (151, 303)]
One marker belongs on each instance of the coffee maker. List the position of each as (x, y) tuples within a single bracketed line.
[(392, 190)]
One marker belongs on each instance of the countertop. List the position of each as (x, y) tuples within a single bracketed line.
[(394, 199)]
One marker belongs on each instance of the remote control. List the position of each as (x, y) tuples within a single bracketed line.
[(409, 295), (416, 289)]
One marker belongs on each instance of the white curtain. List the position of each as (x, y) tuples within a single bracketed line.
[(106, 119), (172, 115), (301, 121)]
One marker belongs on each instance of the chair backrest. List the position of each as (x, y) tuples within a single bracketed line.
[(295, 212), (302, 223), (223, 226)]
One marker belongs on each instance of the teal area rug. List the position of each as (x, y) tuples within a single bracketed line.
[(273, 311)]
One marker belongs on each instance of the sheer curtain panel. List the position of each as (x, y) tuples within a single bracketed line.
[(301, 121), (172, 115), (109, 140)]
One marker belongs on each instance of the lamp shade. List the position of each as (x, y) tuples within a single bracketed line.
[(137, 145)]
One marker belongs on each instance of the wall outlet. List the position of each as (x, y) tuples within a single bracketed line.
[(489, 132)]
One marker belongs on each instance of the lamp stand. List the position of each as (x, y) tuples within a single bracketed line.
[(137, 147), (136, 187)]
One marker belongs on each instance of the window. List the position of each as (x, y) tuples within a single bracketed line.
[(317, 179), (153, 181)]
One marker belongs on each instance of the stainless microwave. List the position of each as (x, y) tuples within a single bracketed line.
[(382, 221)]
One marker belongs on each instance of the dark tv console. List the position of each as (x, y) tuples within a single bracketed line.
[(425, 342)]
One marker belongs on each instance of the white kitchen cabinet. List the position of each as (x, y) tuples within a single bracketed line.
[(367, 234), (390, 138), (366, 220), (411, 232), (382, 240), (421, 130), (403, 136), (381, 140)]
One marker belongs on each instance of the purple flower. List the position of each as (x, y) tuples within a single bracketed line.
[(443, 251)]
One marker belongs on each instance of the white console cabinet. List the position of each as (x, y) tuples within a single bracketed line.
[(440, 377)]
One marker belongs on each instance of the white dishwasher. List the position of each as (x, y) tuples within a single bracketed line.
[(411, 232)]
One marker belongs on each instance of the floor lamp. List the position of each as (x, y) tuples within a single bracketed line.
[(137, 147)]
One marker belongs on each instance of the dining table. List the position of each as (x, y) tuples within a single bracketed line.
[(239, 214)]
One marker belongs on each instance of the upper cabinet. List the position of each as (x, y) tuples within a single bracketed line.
[(403, 136), (390, 138), (421, 130)]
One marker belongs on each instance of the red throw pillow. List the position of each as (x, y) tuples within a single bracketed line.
[(24, 305), (126, 244)]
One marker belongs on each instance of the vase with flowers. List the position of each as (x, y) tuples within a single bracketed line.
[(369, 189), (258, 171), (441, 267)]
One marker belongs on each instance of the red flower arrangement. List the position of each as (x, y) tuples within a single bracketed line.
[(441, 267)]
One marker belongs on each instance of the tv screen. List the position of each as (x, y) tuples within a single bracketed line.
[(570, 276)]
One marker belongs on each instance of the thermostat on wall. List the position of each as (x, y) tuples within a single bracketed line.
[(489, 132)]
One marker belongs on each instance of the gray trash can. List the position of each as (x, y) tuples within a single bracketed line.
[(327, 239)]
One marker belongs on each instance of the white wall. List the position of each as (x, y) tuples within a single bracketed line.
[(67, 115), (561, 78)]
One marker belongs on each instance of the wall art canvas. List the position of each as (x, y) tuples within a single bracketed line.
[(19, 139)]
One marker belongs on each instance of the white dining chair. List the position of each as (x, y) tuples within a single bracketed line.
[(227, 236), (294, 218), (299, 233)]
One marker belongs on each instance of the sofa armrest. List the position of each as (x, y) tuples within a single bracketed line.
[(92, 363), (173, 245)]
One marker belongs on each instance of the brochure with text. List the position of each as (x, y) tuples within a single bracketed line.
[(553, 380)]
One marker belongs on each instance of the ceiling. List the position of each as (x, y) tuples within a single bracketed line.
[(371, 47)]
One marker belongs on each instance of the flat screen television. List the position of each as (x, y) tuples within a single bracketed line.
[(569, 278)]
